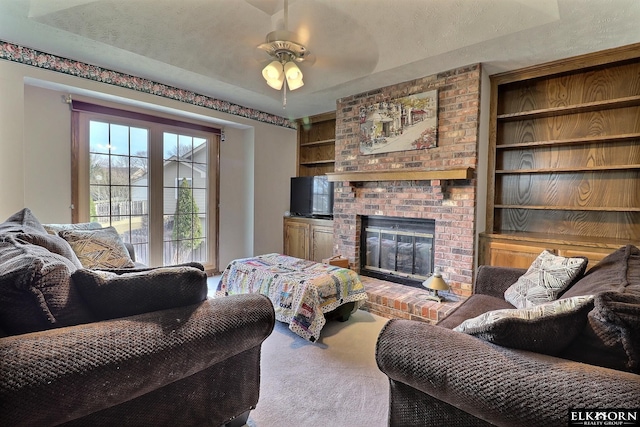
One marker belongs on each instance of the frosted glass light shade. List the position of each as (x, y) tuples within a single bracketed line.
[(294, 75), (274, 75)]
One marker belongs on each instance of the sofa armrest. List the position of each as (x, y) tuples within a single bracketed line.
[(492, 280), (503, 386), (54, 376)]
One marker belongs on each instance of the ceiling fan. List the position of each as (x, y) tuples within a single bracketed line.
[(285, 51)]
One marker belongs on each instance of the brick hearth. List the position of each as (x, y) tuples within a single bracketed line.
[(394, 301)]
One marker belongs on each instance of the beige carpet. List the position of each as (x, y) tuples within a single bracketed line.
[(333, 382)]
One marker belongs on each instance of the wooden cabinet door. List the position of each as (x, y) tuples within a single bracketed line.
[(594, 255), (513, 255), (296, 239), (321, 243)]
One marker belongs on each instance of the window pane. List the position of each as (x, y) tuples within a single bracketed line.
[(119, 139), (98, 169), (139, 142), (185, 170), (119, 170), (170, 144), (139, 170), (98, 137), (185, 144)]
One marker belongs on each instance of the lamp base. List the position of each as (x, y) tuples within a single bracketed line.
[(434, 297)]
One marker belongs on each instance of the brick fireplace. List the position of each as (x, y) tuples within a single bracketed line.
[(450, 202)]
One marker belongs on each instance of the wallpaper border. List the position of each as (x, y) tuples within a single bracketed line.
[(27, 56)]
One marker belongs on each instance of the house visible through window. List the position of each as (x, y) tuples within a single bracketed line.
[(155, 182)]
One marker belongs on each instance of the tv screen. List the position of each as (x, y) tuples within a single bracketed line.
[(311, 196)]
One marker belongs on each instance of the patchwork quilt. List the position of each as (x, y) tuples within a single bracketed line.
[(301, 291)]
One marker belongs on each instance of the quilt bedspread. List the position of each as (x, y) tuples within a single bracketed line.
[(301, 291)]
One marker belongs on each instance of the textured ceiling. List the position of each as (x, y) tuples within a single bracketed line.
[(209, 46)]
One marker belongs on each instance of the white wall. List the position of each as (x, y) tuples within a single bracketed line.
[(11, 140), (256, 158)]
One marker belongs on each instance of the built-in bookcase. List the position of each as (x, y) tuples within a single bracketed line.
[(565, 157), (316, 144)]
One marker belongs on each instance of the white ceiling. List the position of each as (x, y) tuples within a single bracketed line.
[(209, 46)]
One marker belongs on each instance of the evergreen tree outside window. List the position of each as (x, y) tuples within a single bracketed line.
[(187, 228)]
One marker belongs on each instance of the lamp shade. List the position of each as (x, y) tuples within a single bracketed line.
[(274, 74), (294, 75), (436, 282)]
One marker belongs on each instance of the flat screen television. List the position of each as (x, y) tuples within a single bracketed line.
[(311, 196)]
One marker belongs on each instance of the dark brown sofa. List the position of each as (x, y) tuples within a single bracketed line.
[(124, 347), (443, 377)]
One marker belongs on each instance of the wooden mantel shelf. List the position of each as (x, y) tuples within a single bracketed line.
[(401, 175)]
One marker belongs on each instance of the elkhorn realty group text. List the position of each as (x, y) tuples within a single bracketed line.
[(603, 417)]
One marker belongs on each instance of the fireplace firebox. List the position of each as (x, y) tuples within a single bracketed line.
[(399, 250)]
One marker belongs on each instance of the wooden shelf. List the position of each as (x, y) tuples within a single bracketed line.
[(402, 175), (629, 101), (570, 208), (313, 143), (569, 170), (318, 162), (571, 141)]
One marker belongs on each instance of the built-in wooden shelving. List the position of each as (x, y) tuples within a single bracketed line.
[(564, 169), (316, 144)]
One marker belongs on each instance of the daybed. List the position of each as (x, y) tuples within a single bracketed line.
[(125, 347), (303, 292), (534, 370)]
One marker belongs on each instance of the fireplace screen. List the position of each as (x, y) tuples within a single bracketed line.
[(398, 249)]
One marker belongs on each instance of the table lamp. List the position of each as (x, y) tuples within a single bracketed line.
[(435, 283)]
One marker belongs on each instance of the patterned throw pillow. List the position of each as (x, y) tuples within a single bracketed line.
[(101, 248), (56, 228), (547, 277), (545, 328)]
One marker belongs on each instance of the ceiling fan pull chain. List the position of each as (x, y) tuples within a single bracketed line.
[(284, 96)]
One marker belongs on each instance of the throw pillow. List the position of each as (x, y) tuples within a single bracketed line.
[(101, 248), (35, 289), (545, 328), (611, 337), (112, 295), (547, 277), (56, 228)]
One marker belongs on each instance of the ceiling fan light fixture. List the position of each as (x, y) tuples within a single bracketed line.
[(294, 75), (274, 74)]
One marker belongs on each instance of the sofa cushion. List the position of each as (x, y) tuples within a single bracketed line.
[(475, 305), (35, 289), (56, 228), (547, 277), (611, 337), (544, 328), (102, 248), (112, 295)]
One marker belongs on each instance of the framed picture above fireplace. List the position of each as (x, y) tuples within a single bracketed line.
[(407, 123)]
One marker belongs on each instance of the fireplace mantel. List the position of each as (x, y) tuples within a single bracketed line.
[(402, 175)]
